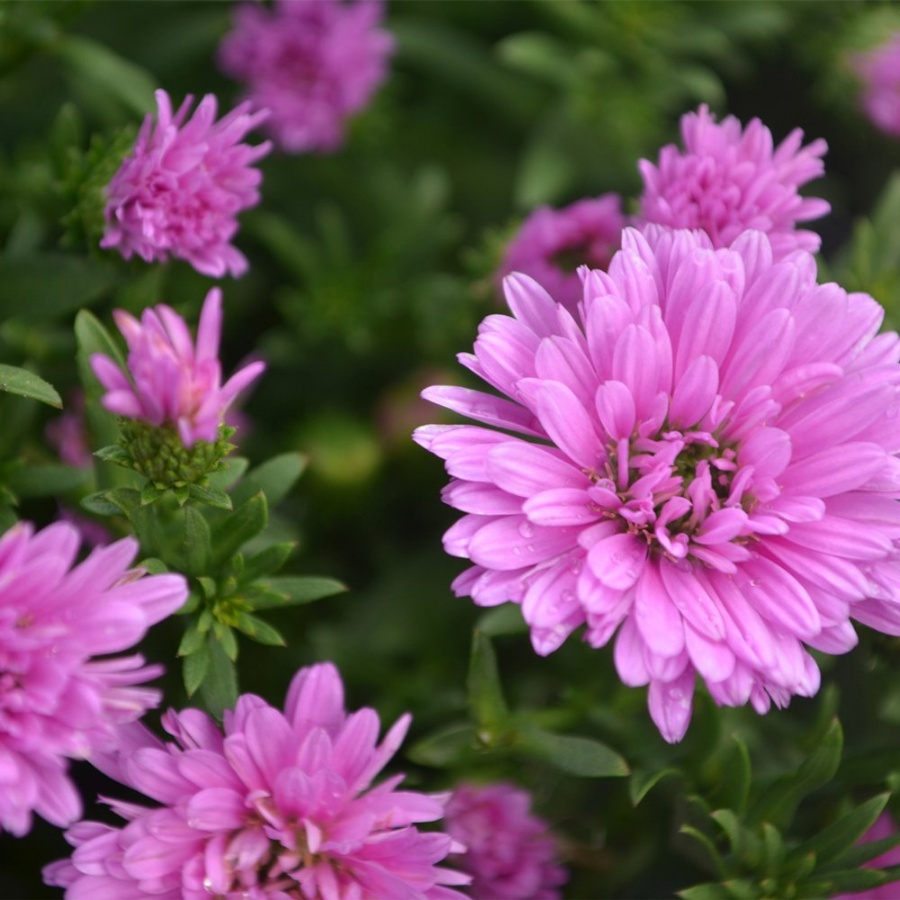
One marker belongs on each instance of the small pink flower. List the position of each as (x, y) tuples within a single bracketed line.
[(729, 179), (312, 63), (510, 852), (884, 827), (68, 434), (704, 460), (62, 696), (879, 70), (552, 243), (179, 192), (172, 381), (282, 805)]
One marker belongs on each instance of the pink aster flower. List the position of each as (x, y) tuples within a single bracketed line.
[(312, 63), (702, 460), (179, 192), (171, 380), (884, 827), (510, 853), (68, 434), (281, 805), (57, 701), (552, 243), (730, 179), (879, 71)]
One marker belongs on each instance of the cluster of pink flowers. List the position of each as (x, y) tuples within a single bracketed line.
[(282, 805), (879, 70), (312, 63), (552, 243), (172, 381), (510, 852), (58, 699), (179, 191), (702, 460)]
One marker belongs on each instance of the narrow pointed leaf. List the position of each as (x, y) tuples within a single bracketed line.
[(483, 685), (247, 521), (261, 632), (23, 383), (581, 756), (293, 590)]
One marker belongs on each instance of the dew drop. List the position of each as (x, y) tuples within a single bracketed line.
[(517, 551), (530, 548), (526, 529), (575, 567), (755, 582)]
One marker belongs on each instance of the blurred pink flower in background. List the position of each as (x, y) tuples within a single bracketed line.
[(68, 433), (172, 381), (728, 179), (280, 805), (704, 460), (884, 827), (179, 191), (311, 63), (56, 700), (552, 243), (510, 852), (879, 70)]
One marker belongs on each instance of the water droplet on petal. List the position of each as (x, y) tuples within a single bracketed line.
[(526, 529)]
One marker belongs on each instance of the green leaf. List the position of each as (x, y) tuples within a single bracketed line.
[(219, 689), (247, 521), (105, 71), (641, 783), (708, 844), (197, 542), (728, 822), (778, 802), (849, 880), (274, 478), (858, 854), (153, 566), (227, 640), (100, 504), (23, 383), (47, 286), (503, 619), (261, 632), (735, 778), (710, 891), (268, 561), (843, 834), (150, 493), (233, 468), (47, 480), (484, 690), (92, 337), (196, 667), (445, 748), (209, 496), (292, 590), (581, 756), (192, 640)]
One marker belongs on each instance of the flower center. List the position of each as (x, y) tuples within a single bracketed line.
[(681, 491)]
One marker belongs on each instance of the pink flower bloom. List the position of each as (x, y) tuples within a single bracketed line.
[(56, 701), (172, 381), (510, 853), (884, 827), (312, 63), (729, 180), (552, 242), (703, 459), (880, 73), (280, 806), (179, 192)]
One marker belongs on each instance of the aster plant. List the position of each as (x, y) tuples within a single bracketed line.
[(701, 461), (178, 192), (62, 694), (730, 178), (277, 804), (312, 64), (879, 73)]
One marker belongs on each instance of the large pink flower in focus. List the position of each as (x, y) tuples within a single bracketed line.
[(510, 852), (312, 63), (172, 381), (729, 179), (57, 701), (879, 70), (703, 459), (280, 806), (179, 191), (552, 243)]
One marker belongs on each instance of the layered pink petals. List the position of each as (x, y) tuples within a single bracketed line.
[(509, 851), (698, 473), (552, 243), (281, 805), (311, 63), (180, 190), (172, 381), (56, 701), (729, 179)]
